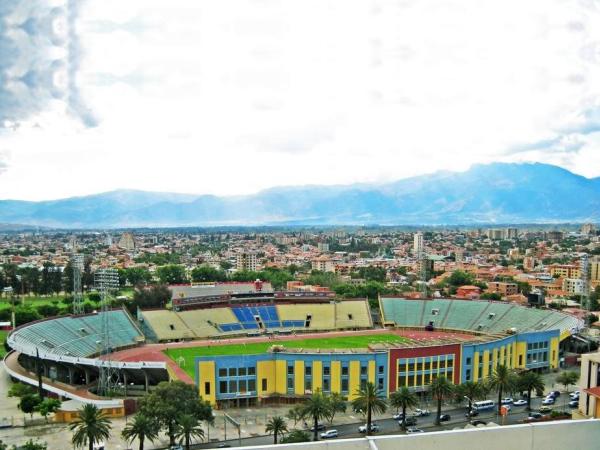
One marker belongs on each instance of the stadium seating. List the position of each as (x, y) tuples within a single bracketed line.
[(352, 314), (78, 336), (474, 315)]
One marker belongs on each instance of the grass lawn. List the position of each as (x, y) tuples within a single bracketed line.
[(360, 341), (2, 339)]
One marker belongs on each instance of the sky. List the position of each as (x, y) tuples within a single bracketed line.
[(230, 97)]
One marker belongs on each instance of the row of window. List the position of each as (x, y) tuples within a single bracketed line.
[(237, 386), (418, 379), (536, 345), (237, 372), (345, 370)]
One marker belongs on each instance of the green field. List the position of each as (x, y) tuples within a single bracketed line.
[(2, 339), (361, 341)]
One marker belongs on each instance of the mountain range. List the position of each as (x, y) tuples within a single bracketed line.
[(484, 194)]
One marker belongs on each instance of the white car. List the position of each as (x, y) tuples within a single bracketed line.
[(507, 401), (397, 416), (374, 428), (422, 412), (548, 401), (414, 430), (329, 434), (520, 402)]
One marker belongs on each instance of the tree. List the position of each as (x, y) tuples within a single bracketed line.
[(403, 398), (296, 436), (171, 274), (169, 400), (90, 428), (188, 428), (567, 379), (317, 408), (151, 297), (207, 273), (29, 403), (441, 388), (20, 390), (277, 426), (337, 403), (472, 390), (31, 445), (530, 381), (368, 401), (141, 428), (295, 413), (48, 406), (502, 380)]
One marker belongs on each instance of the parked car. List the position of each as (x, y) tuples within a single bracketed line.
[(574, 394), (554, 394), (422, 412), (548, 401), (414, 430), (409, 421), (320, 427), (545, 409), (520, 402), (374, 428), (445, 417), (534, 416), (507, 401), (329, 434), (478, 422), (397, 416), (574, 404)]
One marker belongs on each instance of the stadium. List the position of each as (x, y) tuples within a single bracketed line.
[(243, 344)]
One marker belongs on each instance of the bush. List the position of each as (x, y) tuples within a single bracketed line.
[(48, 310), (296, 436)]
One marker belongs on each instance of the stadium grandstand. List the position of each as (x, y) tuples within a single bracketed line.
[(246, 344)]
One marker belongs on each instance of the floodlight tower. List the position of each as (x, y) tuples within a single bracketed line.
[(77, 266), (106, 281)]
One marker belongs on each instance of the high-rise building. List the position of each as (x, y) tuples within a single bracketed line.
[(127, 242), (595, 269), (246, 261), (323, 264), (512, 233), (495, 233), (424, 269), (323, 246), (418, 244), (588, 228), (529, 263)]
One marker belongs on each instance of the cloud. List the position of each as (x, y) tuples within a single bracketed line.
[(4, 156), (39, 63)]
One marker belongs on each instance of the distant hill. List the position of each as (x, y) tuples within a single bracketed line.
[(492, 193)]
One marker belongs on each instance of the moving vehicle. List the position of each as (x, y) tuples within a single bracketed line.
[(374, 428), (507, 401), (553, 394), (520, 402), (545, 409), (445, 417), (397, 416), (472, 413), (414, 430), (548, 401), (409, 421), (534, 416), (422, 412), (320, 427), (483, 405), (329, 434)]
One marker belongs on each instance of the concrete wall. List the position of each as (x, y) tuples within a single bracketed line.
[(573, 434)]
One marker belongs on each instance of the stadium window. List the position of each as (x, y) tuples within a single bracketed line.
[(468, 362), (344, 370), (207, 388), (449, 375), (326, 370), (222, 372), (232, 372), (450, 363), (381, 369), (308, 385), (264, 384), (290, 370), (242, 385), (251, 385), (326, 384), (223, 387), (380, 383), (232, 386), (427, 365), (308, 370), (434, 364), (363, 370), (411, 366), (345, 386), (251, 371), (242, 372), (363, 385), (468, 375), (290, 384)]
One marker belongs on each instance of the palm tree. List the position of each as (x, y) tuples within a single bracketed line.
[(337, 403), (277, 426), (471, 390), (369, 400), (92, 427), (188, 427), (403, 398), (141, 428), (316, 407), (530, 381), (295, 414), (440, 388), (503, 380)]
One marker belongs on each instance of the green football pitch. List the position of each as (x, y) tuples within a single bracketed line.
[(360, 341)]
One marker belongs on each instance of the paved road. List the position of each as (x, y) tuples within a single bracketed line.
[(391, 426)]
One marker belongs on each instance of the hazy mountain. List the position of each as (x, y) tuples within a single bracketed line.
[(501, 193)]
